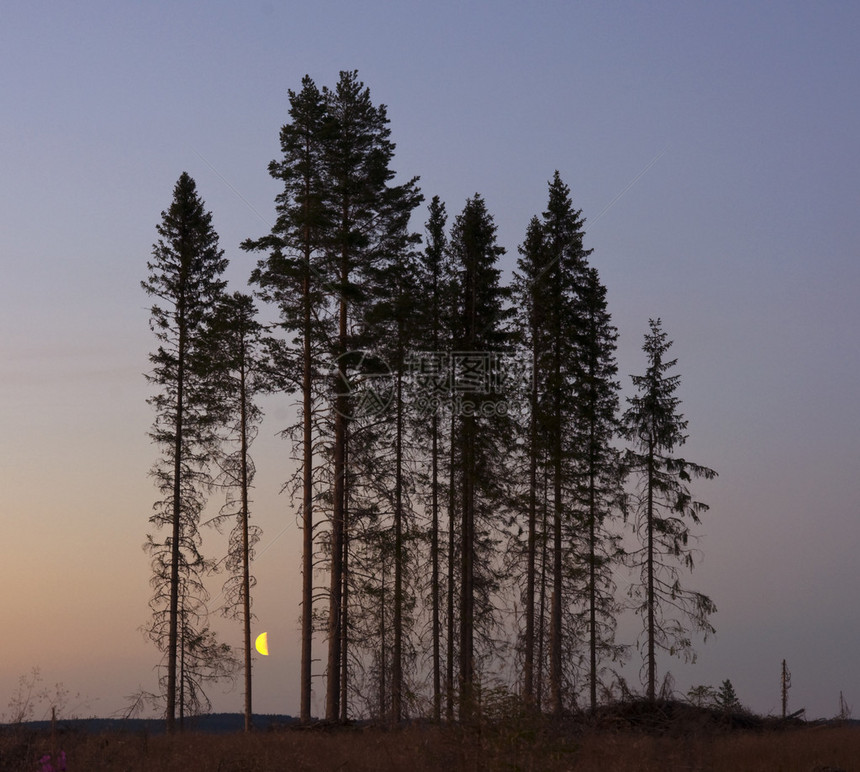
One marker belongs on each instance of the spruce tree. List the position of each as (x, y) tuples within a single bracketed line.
[(566, 268), (479, 339), (726, 699), (663, 507), (433, 342), (598, 486), (572, 470), (531, 284), (185, 280)]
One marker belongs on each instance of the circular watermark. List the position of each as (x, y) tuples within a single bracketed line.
[(363, 384)]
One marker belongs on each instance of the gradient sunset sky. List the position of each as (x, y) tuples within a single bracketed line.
[(714, 150)]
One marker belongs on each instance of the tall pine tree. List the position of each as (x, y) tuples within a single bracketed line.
[(566, 268), (572, 471), (370, 217), (293, 276), (391, 329), (598, 488), (479, 338), (663, 507), (433, 343), (185, 280), (530, 288), (240, 368)]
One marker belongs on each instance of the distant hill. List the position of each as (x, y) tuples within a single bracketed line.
[(633, 715), (213, 723)]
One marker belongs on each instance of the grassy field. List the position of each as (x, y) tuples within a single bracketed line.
[(510, 745)]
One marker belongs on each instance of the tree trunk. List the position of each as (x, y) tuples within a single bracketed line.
[(383, 659), (785, 693), (542, 607), (337, 524), (449, 702), (467, 571), (182, 674), (307, 506), (555, 660), (592, 589), (173, 633), (246, 558), (528, 664), (434, 557), (344, 608), (334, 620), (652, 662), (397, 665)]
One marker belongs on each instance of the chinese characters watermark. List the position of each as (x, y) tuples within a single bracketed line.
[(467, 383)]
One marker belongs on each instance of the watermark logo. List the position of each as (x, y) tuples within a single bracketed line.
[(363, 384), (469, 383), (466, 383)]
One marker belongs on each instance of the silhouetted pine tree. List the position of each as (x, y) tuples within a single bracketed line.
[(295, 278), (238, 359), (481, 427), (598, 491), (530, 288), (388, 334), (566, 265), (572, 471), (370, 216), (432, 306), (185, 279), (662, 507)]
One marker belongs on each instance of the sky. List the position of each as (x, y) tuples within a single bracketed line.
[(712, 149)]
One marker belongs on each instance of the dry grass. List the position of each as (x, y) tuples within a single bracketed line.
[(514, 745)]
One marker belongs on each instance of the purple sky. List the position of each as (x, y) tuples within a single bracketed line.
[(713, 149)]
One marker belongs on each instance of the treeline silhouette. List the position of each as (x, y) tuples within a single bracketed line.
[(468, 485)]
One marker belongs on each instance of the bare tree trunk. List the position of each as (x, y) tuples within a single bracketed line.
[(652, 660), (344, 609), (592, 606), (434, 579), (182, 674), (246, 557), (592, 563), (452, 631), (555, 674), (337, 524), (592, 591), (785, 682), (173, 632), (383, 659), (528, 663), (336, 591), (542, 609), (397, 665), (307, 505), (467, 570)]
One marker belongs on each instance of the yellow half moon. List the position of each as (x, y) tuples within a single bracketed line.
[(262, 644)]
